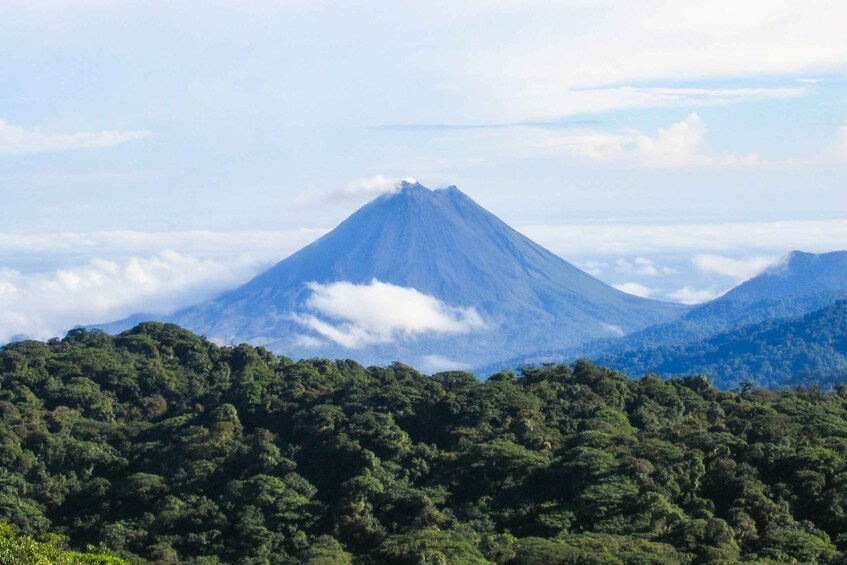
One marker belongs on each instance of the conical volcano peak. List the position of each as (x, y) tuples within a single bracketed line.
[(411, 187), (407, 271), (417, 192)]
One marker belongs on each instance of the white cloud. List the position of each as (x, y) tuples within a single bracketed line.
[(635, 288), (358, 315), (44, 305), (691, 295), (308, 341), (438, 363), (16, 140), (374, 186), (643, 266), (546, 63), (680, 145), (587, 243), (738, 269), (529, 60), (592, 267), (51, 283)]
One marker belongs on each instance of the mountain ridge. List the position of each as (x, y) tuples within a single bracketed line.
[(806, 350), (799, 284)]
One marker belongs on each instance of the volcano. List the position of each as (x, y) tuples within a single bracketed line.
[(426, 277)]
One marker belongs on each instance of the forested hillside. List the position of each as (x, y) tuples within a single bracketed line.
[(169, 449), (811, 349), (48, 549)]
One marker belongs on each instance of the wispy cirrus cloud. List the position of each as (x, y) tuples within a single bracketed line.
[(17, 140), (651, 43), (578, 101)]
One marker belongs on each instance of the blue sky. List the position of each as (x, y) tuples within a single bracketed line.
[(171, 149)]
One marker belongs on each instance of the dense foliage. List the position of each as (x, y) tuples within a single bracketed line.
[(811, 349), (167, 448), (49, 549)]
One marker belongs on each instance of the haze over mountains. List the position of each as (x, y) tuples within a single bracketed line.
[(425, 277), (800, 284)]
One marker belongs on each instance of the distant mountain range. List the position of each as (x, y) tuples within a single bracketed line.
[(811, 349), (799, 284), (426, 277)]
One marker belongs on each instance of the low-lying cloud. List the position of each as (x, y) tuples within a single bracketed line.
[(738, 269), (634, 288), (43, 305), (16, 140), (691, 295), (358, 315), (642, 266)]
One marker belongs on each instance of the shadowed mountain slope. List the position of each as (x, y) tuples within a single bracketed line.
[(811, 349)]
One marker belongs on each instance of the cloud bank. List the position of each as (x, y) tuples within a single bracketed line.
[(50, 282), (16, 140), (643, 266), (44, 305), (357, 315), (738, 269)]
